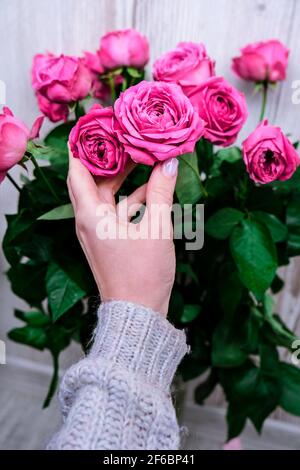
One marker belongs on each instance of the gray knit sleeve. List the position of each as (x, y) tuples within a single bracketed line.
[(118, 397)]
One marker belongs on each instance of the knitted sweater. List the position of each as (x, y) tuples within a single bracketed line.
[(118, 397)]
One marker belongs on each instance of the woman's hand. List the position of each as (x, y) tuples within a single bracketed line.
[(130, 267)]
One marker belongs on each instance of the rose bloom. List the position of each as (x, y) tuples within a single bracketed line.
[(156, 121), (126, 48), (14, 135), (222, 108), (54, 111), (269, 155), (94, 141), (99, 89), (261, 61), (188, 65), (60, 79)]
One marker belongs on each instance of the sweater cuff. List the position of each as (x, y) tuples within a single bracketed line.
[(139, 340)]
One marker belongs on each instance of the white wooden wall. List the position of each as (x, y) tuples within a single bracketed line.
[(71, 26)]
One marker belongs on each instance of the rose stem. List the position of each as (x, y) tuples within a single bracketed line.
[(42, 174), (264, 100), (13, 182), (112, 88)]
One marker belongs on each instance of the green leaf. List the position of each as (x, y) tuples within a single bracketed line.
[(290, 388), (19, 226), (33, 318), (229, 345), (188, 186), (37, 248), (190, 312), (28, 282), (186, 268), (230, 289), (63, 292), (277, 284), (59, 137), (277, 229), (135, 73), (293, 225), (231, 155), (254, 253), (222, 222), (33, 336), (62, 212), (204, 389), (251, 393)]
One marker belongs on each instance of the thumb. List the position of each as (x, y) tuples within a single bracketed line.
[(161, 185)]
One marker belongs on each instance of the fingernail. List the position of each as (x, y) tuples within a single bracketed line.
[(170, 167)]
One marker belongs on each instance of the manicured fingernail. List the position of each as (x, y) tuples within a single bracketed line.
[(170, 167)]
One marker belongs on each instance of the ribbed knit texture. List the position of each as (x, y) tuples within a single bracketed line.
[(118, 397)]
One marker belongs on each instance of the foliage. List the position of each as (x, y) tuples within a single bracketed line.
[(220, 295)]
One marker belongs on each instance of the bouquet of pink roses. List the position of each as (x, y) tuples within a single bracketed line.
[(222, 293)]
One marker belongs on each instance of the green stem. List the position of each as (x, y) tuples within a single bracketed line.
[(79, 110), (111, 82), (264, 101), (13, 182), (53, 383), (46, 181)]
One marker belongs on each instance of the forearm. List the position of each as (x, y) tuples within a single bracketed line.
[(118, 397)]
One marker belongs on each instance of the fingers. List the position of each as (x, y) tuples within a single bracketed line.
[(108, 187), (128, 207), (161, 185), (81, 185)]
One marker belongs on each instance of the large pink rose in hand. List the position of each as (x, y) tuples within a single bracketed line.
[(94, 141), (223, 109), (269, 155), (124, 48), (187, 65), (261, 61), (60, 79), (156, 121)]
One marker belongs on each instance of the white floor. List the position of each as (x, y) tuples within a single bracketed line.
[(24, 425)]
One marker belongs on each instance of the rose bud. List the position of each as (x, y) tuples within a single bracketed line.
[(223, 109), (124, 48), (156, 121), (60, 79), (99, 89), (14, 135), (94, 141), (262, 61), (54, 111), (269, 155), (187, 65)]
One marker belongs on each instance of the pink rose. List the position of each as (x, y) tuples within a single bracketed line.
[(54, 111), (94, 141), (156, 121), (14, 136), (93, 62), (60, 79), (99, 89), (265, 60), (188, 65), (126, 48), (222, 108), (269, 155)]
